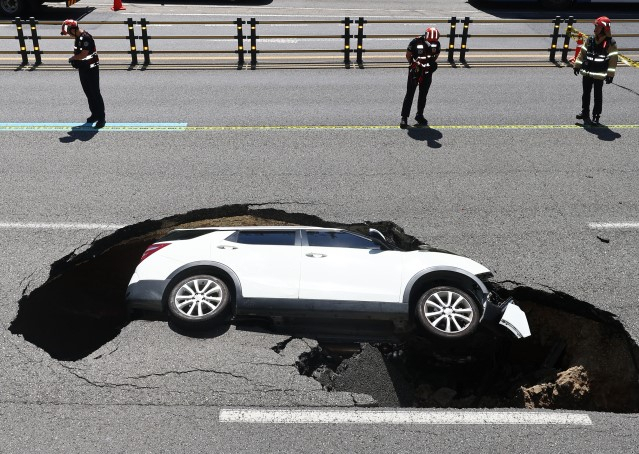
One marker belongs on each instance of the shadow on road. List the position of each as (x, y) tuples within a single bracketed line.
[(626, 88), (208, 333), (428, 135), (535, 10), (209, 2), (58, 12), (83, 133), (602, 132)]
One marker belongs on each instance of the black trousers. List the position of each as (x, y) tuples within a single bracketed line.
[(588, 83), (90, 80), (411, 86)]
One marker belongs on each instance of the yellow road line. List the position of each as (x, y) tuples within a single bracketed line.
[(368, 127)]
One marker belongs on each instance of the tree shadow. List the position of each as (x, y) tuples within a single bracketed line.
[(602, 132), (533, 9), (83, 133), (428, 135), (58, 12), (210, 2)]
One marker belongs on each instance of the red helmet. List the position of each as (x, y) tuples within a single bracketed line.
[(604, 22), (68, 25), (432, 35)]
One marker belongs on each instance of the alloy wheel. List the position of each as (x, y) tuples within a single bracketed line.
[(198, 297), (448, 311)]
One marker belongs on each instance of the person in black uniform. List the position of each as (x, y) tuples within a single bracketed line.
[(422, 53), (85, 60), (597, 62)]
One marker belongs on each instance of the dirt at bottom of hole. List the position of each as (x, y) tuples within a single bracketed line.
[(570, 388), (570, 362)]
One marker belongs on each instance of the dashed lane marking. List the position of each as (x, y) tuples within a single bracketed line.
[(158, 127), (57, 226), (90, 226), (614, 225), (280, 416)]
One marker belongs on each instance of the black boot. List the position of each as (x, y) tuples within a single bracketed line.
[(595, 119), (421, 120), (403, 123), (583, 115)]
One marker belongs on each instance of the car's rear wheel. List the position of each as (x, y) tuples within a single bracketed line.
[(13, 8), (199, 300), (448, 313)]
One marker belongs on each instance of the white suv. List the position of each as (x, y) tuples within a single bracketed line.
[(200, 274)]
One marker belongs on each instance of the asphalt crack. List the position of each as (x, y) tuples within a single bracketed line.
[(73, 372), (103, 355), (190, 371)]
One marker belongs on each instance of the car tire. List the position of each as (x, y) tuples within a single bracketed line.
[(448, 313), (199, 300), (13, 8)]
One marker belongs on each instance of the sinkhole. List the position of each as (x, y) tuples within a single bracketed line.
[(578, 357)]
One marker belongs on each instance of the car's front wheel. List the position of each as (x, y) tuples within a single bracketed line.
[(448, 313), (199, 300)]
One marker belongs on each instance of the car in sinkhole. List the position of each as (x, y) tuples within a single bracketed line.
[(201, 276)]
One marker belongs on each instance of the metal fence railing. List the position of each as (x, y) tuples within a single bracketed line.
[(343, 42)]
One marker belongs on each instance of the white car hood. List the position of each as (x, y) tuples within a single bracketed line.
[(427, 259)]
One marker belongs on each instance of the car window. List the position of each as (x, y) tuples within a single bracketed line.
[(339, 239), (284, 238)]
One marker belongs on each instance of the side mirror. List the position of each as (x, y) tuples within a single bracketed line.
[(374, 233), (379, 239)]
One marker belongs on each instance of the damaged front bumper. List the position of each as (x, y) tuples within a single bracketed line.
[(506, 314)]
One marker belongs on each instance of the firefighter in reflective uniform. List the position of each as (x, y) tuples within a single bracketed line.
[(422, 53), (85, 60), (596, 62)]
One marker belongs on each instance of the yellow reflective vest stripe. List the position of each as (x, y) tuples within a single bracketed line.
[(610, 58)]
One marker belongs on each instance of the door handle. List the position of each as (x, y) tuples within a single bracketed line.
[(221, 246), (315, 255)]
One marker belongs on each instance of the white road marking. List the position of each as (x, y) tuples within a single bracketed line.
[(285, 41), (58, 226), (260, 416), (305, 16), (287, 9), (613, 225)]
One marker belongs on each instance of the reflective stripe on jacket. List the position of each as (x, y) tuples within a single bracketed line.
[(85, 42), (598, 60)]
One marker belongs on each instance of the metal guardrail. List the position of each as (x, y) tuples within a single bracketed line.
[(455, 43)]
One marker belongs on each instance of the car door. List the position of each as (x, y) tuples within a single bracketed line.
[(342, 266), (266, 262)]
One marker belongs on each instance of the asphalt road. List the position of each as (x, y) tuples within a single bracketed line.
[(503, 176)]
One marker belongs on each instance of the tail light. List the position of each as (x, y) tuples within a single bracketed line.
[(153, 248)]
